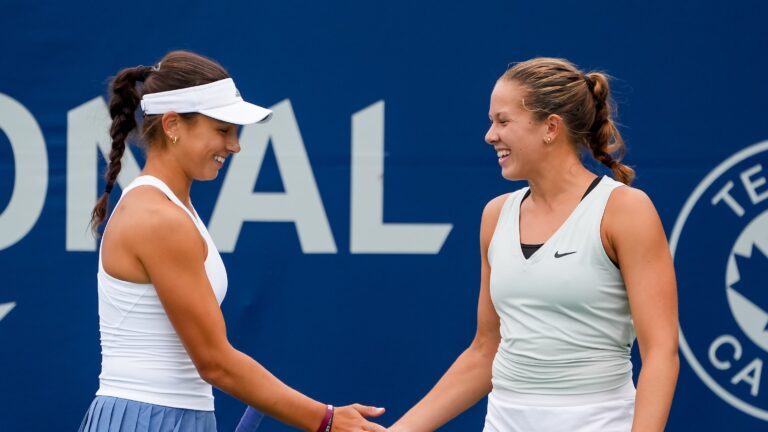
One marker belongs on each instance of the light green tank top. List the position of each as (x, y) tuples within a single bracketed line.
[(565, 320)]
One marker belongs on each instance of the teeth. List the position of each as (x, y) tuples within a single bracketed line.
[(218, 159), (502, 153)]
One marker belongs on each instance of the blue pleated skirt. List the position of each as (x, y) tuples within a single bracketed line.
[(111, 414)]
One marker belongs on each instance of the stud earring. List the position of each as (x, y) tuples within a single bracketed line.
[(175, 139), (547, 140)]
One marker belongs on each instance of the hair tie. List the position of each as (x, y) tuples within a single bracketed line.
[(606, 159), (590, 83), (108, 187), (142, 72), (591, 86)]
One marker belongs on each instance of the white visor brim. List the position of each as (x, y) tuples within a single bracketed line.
[(239, 113), (219, 100)]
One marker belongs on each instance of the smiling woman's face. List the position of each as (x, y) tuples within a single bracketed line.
[(517, 137), (203, 146)]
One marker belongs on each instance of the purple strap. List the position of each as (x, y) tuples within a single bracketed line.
[(325, 425)]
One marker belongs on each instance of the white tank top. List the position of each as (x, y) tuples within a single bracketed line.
[(565, 321), (142, 357)]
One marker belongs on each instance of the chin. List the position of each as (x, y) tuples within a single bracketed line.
[(207, 176), (511, 175)]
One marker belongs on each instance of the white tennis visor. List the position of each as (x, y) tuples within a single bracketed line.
[(219, 100)]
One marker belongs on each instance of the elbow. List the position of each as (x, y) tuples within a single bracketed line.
[(481, 354), (212, 367), (664, 357), (211, 373), (675, 359), (672, 361), (484, 347)]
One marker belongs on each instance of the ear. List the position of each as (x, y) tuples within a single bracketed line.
[(171, 121), (554, 127)]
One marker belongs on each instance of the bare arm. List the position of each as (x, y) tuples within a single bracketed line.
[(469, 378), (637, 238), (173, 256)]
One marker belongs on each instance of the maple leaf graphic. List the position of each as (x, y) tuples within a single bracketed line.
[(752, 279)]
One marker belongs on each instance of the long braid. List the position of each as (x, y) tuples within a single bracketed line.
[(604, 139), (122, 108), (176, 70)]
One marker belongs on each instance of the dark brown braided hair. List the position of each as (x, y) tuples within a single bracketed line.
[(178, 69)]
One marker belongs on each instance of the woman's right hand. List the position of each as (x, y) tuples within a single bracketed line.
[(351, 418)]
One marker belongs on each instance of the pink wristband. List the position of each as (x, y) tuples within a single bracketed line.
[(325, 425)]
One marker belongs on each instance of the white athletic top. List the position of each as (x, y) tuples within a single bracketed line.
[(142, 357), (565, 321)]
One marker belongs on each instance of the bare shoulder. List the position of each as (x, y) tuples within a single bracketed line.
[(626, 200), (490, 218), (156, 222), (148, 209), (493, 208), (630, 210)]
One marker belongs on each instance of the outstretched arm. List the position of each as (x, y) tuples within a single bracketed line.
[(173, 255), (469, 378)]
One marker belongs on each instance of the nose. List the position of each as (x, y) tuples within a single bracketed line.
[(233, 145), (491, 136)]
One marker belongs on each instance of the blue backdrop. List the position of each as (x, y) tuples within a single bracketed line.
[(375, 313)]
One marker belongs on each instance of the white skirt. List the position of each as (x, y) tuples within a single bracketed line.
[(610, 411)]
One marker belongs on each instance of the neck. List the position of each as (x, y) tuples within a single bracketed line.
[(550, 187), (163, 166)]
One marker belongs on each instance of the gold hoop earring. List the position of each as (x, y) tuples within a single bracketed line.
[(175, 139)]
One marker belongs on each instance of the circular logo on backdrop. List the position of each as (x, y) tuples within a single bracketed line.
[(720, 248)]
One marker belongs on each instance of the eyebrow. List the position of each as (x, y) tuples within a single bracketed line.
[(498, 114)]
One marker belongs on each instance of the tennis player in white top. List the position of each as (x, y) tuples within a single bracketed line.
[(161, 281), (574, 267)]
